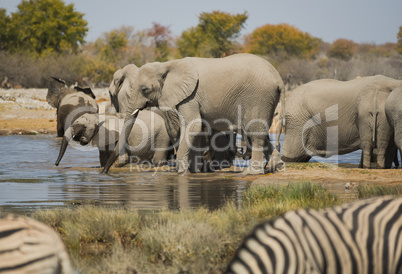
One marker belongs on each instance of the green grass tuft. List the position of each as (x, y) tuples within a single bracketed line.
[(367, 191)]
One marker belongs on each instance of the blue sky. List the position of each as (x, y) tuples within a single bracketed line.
[(363, 21)]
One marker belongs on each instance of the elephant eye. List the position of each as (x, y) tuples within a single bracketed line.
[(144, 89)]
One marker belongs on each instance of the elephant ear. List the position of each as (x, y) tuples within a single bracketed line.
[(180, 80), (87, 91), (55, 91)]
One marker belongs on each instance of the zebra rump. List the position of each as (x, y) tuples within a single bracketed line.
[(359, 237), (28, 246)]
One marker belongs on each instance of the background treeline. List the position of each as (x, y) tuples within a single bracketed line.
[(47, 38)]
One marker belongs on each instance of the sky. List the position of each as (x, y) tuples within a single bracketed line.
[(363, 21)]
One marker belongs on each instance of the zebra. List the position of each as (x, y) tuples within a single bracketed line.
[(28, 246), (360, 237)]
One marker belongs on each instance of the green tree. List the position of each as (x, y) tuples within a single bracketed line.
[(283, 39), (213, 36), (161, 36), (342, 49), (4, 21), (399, 43), (46, 26)]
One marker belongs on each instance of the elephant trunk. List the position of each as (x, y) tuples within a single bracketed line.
[(119, 149), (374, 123), (66, 138), (282, 122)]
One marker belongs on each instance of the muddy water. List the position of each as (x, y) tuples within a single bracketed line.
[(29, 180)]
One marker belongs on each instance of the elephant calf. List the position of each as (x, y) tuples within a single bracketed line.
[(70, 103), (148, 139)]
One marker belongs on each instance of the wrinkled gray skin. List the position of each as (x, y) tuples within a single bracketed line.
[(376, 135), (241, 90), (393, 111), (148, 140), (70, 103), (321, 117), (213, 152)]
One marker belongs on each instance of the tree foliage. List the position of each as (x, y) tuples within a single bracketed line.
[(213, 36), (41, 26), (160, 36), (283, 39), (342, 49), (4, 21), (399, 43)]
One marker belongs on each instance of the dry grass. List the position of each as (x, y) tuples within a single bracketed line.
[(121, 240)]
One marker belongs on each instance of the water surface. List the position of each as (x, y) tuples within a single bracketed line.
[(29, 179)]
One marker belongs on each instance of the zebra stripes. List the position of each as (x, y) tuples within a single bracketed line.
[(27, 246), (360, 237)]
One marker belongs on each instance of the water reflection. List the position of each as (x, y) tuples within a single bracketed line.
[(29, 179)]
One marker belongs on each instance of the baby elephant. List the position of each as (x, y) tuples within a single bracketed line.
[(148, 140), (70, 103)]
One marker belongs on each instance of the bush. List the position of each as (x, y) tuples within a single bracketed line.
[(34, 72)]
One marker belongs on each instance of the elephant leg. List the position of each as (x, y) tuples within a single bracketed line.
[(103, 156), (187, 142), (159, 158), (390, 155), (257, 156), (366, 157), (60, 127)]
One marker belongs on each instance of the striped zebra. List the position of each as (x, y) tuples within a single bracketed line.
[(360, 237), (27, 246)]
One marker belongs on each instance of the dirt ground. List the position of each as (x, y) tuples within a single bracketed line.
[(26, 111)]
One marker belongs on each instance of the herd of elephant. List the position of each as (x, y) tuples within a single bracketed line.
[(191, 109)]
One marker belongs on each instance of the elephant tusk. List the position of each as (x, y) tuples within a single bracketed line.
[(135, 112)]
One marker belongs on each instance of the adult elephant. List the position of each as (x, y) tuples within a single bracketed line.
[(321, 117), (376, 134), (212, 152), (70, 103), (235, 93), (393, 111)]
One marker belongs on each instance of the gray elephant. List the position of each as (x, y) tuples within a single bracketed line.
[(212, 152), (148, 140), (70, 103), (374, 130), (236, 93), (393, 111), (321, 117)]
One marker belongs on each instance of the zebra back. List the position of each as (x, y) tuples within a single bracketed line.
[(28, 246), (360, 237)]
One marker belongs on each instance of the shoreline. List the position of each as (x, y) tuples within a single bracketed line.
[(26, 111)]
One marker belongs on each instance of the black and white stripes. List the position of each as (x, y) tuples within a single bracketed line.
[(27, 246), (360, 237)]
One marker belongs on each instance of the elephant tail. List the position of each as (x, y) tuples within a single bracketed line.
[(66, 138), (374, 113), (282, 121)]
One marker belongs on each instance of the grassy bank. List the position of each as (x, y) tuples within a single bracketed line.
[(121, 240)]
